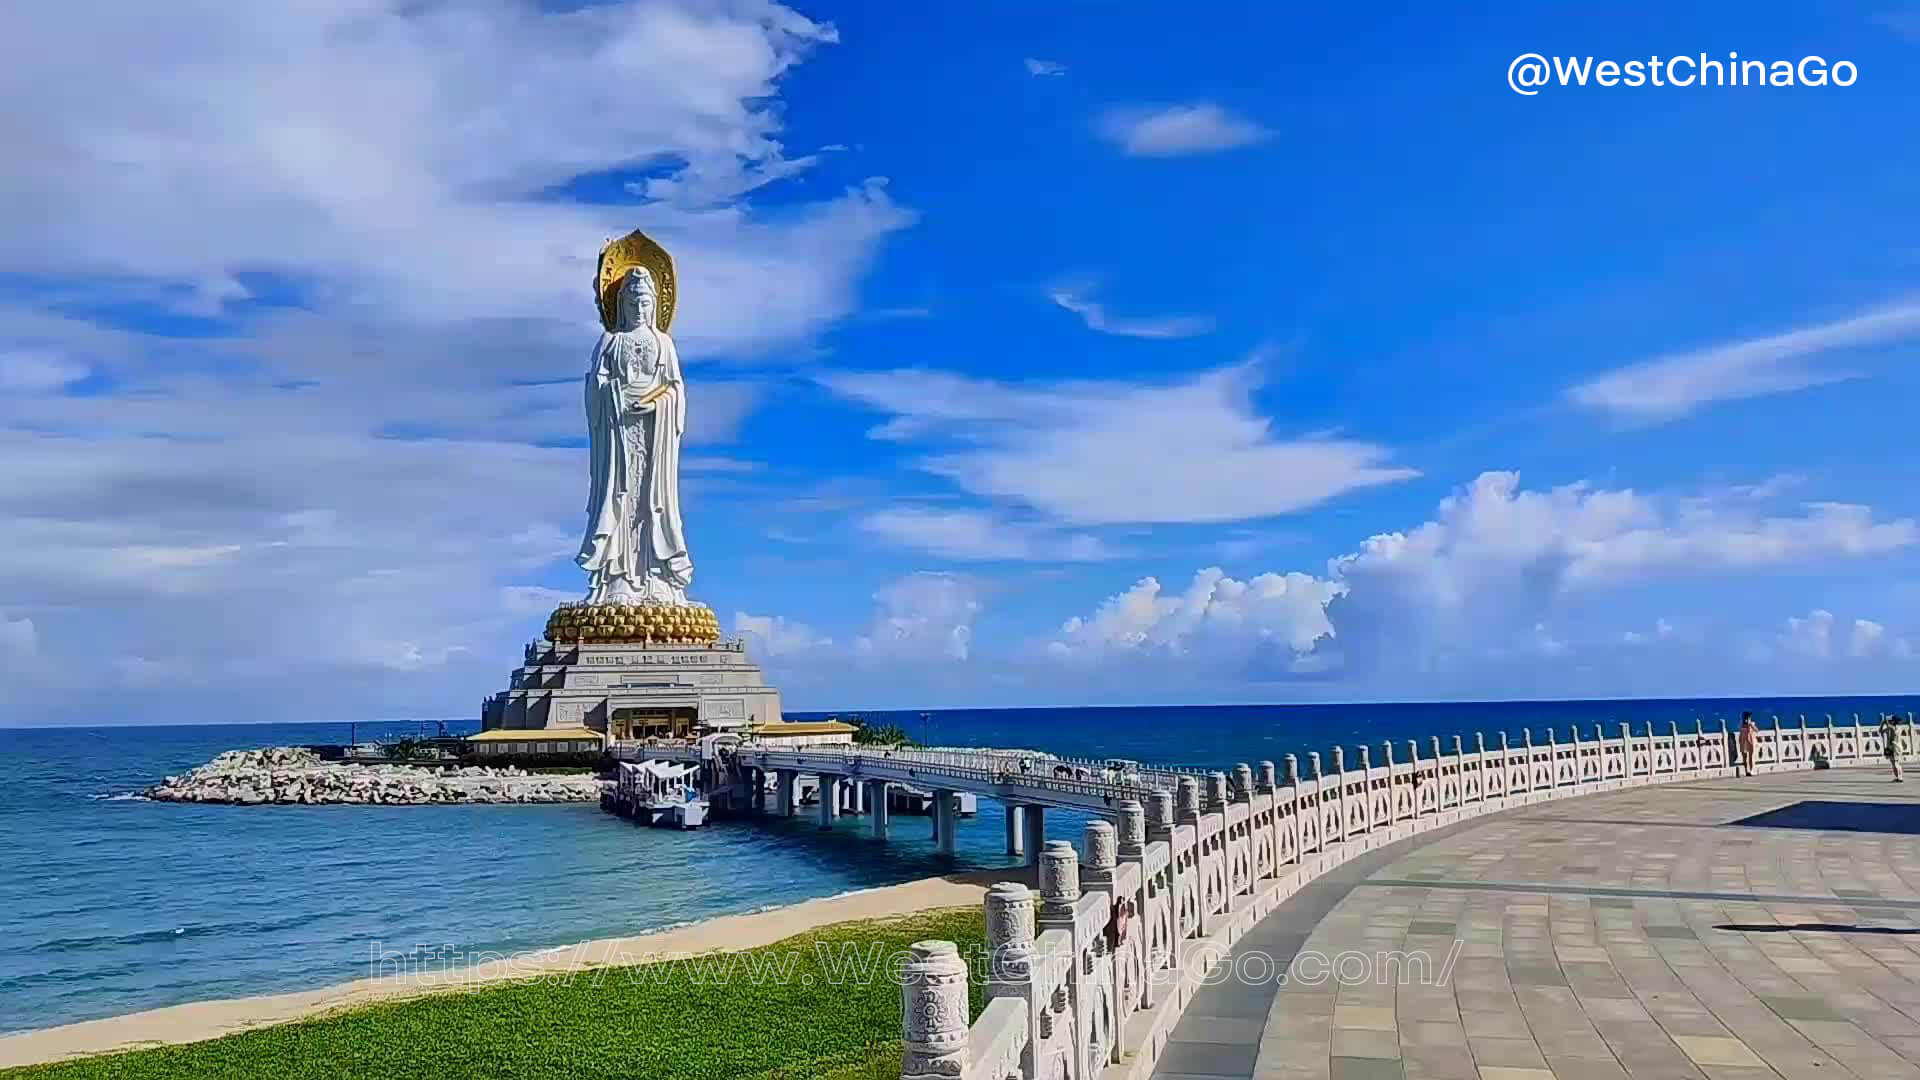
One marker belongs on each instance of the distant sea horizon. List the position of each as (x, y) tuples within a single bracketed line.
[(811, 714), (112, 904)]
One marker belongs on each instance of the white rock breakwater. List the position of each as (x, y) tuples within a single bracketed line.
[(291, 774)]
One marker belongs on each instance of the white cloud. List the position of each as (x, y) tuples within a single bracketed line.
[(1109, 452), (340, 494), (1044, 68), (974, 535), (1481, 579), (399, 158), (1672, 386), (776, 636), (1287, 610), (1172, 130), (1868, 636), (1811, 636), (1074, 298), (19, 643), (923, 617), (23, 371), (1820, 636)]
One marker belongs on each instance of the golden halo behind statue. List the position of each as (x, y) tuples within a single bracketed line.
[(619, 256)]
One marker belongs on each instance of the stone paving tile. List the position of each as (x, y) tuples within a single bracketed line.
[(1362, 1043), (1366, 1068), (1626, 936), (1523, 1052)]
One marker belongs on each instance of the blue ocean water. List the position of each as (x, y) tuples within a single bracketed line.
[(110, 904)]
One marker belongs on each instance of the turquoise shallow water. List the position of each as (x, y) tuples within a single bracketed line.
[(110, 904)]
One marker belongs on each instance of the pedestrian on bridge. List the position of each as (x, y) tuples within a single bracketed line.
[(1749, 741), (1890, 743)]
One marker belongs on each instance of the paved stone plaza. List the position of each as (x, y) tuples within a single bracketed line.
[(1645, 933)]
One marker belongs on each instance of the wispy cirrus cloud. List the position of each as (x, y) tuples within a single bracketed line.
[(1669, 387), (1175, 130), (1075, 297), (1087, 452), (1045, 68), (981, 536)]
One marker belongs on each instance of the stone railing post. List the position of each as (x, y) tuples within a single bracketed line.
[(1394, 784), (1728, 756), (1101, 842), (1366, 789), (1059, 896), (933, 1002), (1480, 769), (1526, 747), (1339, 792), (1413, 759), (1214, 855), (1131, 823), (1289, 819), (1010, 959), (1459, 773), (1579, 767), (1264, 779), (1242, 787), (1160, 908)]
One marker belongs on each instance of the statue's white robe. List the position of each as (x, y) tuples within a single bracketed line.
[(634, 529)]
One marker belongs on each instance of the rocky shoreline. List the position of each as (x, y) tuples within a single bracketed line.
[(294, 775)]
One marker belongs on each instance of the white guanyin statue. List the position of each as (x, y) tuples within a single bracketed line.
[(635, 549)]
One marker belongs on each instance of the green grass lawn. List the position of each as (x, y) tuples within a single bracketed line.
[(808, 1016)]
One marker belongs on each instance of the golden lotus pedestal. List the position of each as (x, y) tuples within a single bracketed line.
[(646, 624), (626, 671)]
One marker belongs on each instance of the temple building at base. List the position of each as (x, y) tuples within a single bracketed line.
[(566, 697)]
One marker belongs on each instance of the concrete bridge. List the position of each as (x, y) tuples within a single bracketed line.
[(1600, 916), (859, 779)]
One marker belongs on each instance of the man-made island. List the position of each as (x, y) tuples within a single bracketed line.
[(292, 774)]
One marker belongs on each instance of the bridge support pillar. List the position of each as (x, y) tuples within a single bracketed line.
[(1016, 828), (757, 795), (829, 799), (1036, 830), (877, 798), (943, 821), (785, 780)]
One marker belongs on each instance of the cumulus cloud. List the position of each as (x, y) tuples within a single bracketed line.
[(364, 155), (19, 643), (1286, 610), (924, 616), (1669, 387), (1480, 580), (777, 636), (343, 481), (1820, 636), (1074, 298), (1174, 130), (1116, 451)]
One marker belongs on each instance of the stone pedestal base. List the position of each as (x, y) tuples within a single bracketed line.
[(630, 689)]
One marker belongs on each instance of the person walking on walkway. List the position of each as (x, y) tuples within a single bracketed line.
[(1890, 743), (1749, 742)]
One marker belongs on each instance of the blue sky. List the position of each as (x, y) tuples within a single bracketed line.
[(1038, 353)]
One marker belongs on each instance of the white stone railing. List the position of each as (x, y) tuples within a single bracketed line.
[(1200, 868)]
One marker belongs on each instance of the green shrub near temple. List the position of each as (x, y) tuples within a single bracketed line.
[(826, 1005)]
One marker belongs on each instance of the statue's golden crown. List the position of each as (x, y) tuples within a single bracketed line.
[(619, 256)]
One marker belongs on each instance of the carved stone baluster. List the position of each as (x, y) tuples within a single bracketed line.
[(933, 1000), (1010, 957)]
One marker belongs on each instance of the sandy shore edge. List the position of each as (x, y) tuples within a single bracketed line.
[(199, 1020)]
